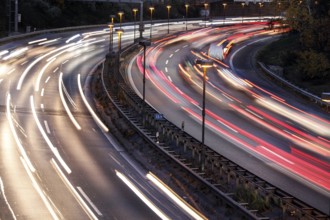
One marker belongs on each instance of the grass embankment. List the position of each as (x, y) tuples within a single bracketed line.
[(285, 53)]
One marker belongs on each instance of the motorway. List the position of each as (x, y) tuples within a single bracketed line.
[(56, 161), (258, 125)]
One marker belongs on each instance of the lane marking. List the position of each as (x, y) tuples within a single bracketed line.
[(10, 71), (5, 198), (76, 195), (47, 127), (279, 156), (227, 126), (166, 70), (65, 61), (42, 92), (170, 78), (171, 55), (46, 138), (55, 70), (89, 201), (42, 107), (47, 79), (177, 50), (24, 63), (166, 62)]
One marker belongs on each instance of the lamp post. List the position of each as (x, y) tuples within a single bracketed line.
[(168, 18), (187, 6), (151, 11), (205, 9), (120, 17), (111, 25), (260, 5), (134, 11), (243, 4), (205, 64), (279, 9), (119, 32), (145, 44), (224, 12)]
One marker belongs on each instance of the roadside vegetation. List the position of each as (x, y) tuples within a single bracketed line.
[(47, 14), (302, 56)]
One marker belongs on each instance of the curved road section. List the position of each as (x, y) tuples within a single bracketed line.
[(249, 119), (57, 161)]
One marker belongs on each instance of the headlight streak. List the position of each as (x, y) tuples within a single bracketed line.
[(15, 53), (183, 204), (46, 138), (299, 164), (142, 196), (21, 79), (295, 165), (317, 127), (40, 191), (49, 41), (37, 86), (37, 41), (5, 198), (91, 111), (72, 38), (67, 109), (76, 195), (18, 142)]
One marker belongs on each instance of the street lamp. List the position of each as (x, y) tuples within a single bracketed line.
[(224, 12), (243, 4), (151, 10), (145, 44), (205, 64), (119, 32), (205, 8), (168, 18), (135, 10), (187, 6), (120, 17), (260, 5), (279, 9), (111, 25), (112, 18)]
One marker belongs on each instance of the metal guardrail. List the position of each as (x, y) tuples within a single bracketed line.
[(301, 91)]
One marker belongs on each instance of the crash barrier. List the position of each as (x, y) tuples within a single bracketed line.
[(295, 88), (218, 173), (20, 36)]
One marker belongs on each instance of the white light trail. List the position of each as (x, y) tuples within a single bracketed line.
[(40, 191), (37, 41), (141, 196), (41, 73), (49, 41), (73, 190), (49, 143), (5, 198), (21, 79), (13, 131), (186, 207), (91, 111), (65, 105), (72, 38), (89, 201)]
